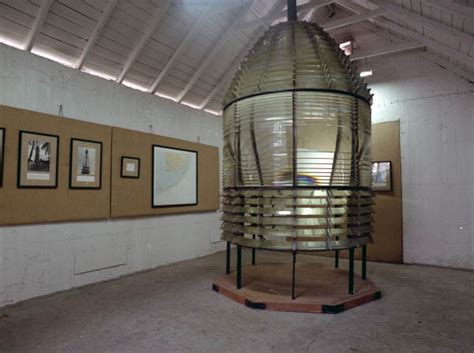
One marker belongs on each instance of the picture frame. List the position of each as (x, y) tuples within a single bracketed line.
[(174, 177), (130, 167), (2, 153), (381, 176), (85, 164), (38, 160)]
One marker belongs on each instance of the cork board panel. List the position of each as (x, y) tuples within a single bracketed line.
[(133, 197), (32, 205), (388, 229)]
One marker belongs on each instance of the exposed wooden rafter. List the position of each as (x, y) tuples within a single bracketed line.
[(213, 53), (192, 32), (151, 28), (96, 32), (227, 76), (408, 33), (452, 7), (426, 22), (40, 17), (347, 21), (233, 67), (386, 50)]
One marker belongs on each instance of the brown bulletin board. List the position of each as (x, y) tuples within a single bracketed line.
[(133, 197), (388, 229), (21, 206), (387, 246)]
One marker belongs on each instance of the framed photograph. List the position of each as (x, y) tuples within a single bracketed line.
[(85, 164), (382, 176), (38, 158), (2, 153), (175, 177), (130, 167)]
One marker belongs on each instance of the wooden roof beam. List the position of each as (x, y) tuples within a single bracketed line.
[(411, 34), (347, 21), (151, 28), (192, 32), (37, 24), (386, 50), (213, 53), (96, 32), (452, 7)]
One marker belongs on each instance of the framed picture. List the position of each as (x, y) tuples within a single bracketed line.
[(130, 167), (382, 176), (175, 177), (37, 160), (85, 164), (2, 153)]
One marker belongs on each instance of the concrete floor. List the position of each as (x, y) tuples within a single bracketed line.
[(173, 309)]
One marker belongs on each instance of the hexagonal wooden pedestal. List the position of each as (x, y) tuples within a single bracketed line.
[(320, 288)]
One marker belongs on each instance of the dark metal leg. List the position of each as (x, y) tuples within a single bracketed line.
[(227, 259), (239, 267), (351, 271), (293, 277), (336, 257), (253, 253), (364, 262)]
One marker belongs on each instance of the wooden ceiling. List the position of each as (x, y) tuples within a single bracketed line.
[(188, 50)]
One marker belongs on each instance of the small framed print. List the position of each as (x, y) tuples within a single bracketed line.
[(174, 177), (2, 153), (85, 164), (130, 167), (382, 176), (37, 160)]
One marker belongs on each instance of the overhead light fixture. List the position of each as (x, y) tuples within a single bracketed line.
[(366, 73), (347, 47)]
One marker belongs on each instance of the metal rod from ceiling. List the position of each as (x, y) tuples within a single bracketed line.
[(292, 13)]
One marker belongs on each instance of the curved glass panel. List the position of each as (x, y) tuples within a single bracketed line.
[(297, 150)]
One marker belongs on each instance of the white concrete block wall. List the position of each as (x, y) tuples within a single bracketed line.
[(436, 112), (41, 259), (435, 109)]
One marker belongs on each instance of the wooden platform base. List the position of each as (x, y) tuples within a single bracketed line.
[(319, 288)]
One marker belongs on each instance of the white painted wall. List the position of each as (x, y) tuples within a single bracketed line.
[(436, 113), (41, 259), (435, 109)]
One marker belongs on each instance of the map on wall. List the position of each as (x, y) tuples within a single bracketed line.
[(174, 177)]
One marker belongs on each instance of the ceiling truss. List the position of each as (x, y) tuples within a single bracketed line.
[(386, 14)]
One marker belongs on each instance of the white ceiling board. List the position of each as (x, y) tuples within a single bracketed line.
[(174, 60), (92, 10), (16, 16), (23, 6)]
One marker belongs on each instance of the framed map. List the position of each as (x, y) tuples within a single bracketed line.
[(175, 178)]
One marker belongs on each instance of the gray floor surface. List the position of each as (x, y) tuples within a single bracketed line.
[(173, 309)]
